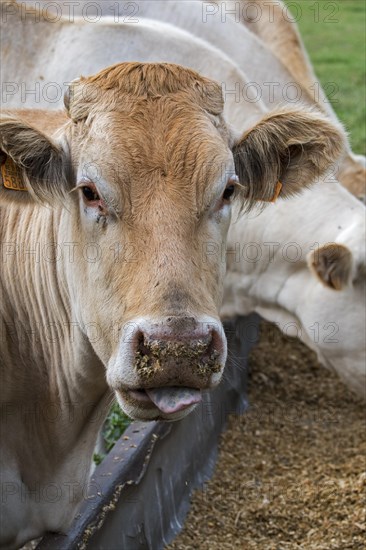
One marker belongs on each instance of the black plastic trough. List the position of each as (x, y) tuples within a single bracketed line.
[(140, 494)]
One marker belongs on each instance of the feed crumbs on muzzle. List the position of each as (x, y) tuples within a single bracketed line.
[(159, 354)]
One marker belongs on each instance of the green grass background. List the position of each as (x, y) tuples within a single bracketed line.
[(334, 36)]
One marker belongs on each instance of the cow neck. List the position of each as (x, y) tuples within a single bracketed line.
[(55, 362)]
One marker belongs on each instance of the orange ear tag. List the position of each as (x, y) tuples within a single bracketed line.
[(277, 192), (12, 176)]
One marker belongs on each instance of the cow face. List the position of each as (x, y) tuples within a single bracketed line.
[(148, 171)]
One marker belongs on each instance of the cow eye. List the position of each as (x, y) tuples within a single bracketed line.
[(230, 190), (90, 194)]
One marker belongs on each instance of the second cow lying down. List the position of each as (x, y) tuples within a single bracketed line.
[(304, 268)]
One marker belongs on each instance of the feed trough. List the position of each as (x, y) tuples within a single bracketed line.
[(140, 494)]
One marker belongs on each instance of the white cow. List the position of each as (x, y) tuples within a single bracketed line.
[(304, 269)]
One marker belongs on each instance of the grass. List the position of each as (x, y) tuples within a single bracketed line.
[(114, 427), (334, 36)]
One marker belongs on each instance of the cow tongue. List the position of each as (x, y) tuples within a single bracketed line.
[(170, 400)]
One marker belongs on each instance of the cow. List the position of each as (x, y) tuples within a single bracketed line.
[(306, 273), (347, 354), (102, 229)]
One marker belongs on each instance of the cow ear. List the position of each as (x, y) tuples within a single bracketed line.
[(33, 166), (285, 151), (332, 264)]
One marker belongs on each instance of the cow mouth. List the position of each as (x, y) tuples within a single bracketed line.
[(168, 400)]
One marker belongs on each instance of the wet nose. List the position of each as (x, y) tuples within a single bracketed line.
[(179, 351)]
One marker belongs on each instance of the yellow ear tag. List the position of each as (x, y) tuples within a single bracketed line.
[(11, 176), (277, 192)]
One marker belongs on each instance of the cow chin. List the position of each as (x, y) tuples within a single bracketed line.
[(146, 412)]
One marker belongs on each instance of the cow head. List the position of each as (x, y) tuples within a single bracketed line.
[(147, 170), (338, 290)]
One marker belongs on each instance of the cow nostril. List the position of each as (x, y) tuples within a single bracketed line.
[(142, 348)]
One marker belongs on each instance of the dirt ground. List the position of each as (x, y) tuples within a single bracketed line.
[(291, 472)]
